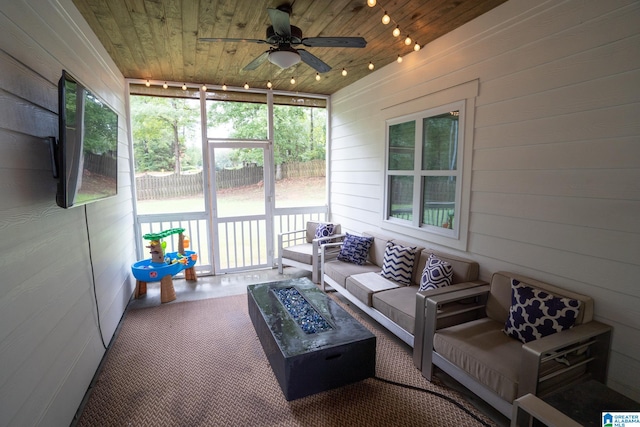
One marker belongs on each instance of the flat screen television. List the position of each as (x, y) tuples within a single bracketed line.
[(87, 151)]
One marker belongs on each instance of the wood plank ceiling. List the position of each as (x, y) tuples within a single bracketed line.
[(158, 39)]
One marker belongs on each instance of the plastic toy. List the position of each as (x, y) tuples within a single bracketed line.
[(162, 267)]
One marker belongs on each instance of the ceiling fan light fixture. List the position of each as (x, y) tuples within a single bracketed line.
[(284, 58)]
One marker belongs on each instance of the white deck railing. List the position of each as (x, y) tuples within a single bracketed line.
[(242, 240)]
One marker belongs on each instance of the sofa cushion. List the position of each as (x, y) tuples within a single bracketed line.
[(378, 247), (364, 285), (340, 270), (398, 263), (436, 274), (302, 253), (464, 269), (355, 249), (535, 313), (399, 305), (324, 230), (481, 349)]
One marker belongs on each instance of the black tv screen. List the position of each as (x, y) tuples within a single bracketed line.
[(88, 145)]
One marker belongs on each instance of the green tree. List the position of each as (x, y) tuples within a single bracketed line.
[(160, 128), (299, 132)]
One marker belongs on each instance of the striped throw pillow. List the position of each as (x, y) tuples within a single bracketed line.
[(397, 263)]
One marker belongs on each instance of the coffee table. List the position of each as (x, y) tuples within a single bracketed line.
[(309, 358)]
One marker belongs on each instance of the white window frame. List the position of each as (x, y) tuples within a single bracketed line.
[(461, 98)]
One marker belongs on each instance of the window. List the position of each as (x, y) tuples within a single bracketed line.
[(424, 170)]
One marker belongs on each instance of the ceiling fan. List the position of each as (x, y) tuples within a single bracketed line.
[(282, 36)]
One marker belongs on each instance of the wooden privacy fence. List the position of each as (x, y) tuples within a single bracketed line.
[(149, 187), (101, 164)]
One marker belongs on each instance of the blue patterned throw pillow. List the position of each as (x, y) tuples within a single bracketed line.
[(324, 230), (535, 313), (436, 274), (397, 263), (355, 249)]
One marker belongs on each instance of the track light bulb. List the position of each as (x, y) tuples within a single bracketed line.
[(371, 66), (407, 41), (371, 3), (344, 72), (386, 18), (399, 59), (318, 76), (396, 31)]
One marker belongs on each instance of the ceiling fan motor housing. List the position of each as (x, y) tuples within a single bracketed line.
[(274, 38)]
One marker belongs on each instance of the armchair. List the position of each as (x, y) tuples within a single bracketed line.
[(301, 249), (499, 368)]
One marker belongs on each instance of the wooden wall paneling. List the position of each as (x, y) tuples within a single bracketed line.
[(603, 279), (615, 121), (369, 191), (48, 334), (586, 96), (590, 241), (609, 153), (557, 71), (619, 215), (612, 184)]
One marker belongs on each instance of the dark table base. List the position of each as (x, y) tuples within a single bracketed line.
[(306, 364)]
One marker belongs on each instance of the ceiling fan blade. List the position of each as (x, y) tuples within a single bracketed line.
[(280, 21), (334, 42), (217, 39), (256, 62), (313, 61)]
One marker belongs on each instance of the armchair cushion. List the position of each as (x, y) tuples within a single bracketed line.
[(436, 274), (300, 253), (535, 313), (398, 262), (355, 249), (481, 349)]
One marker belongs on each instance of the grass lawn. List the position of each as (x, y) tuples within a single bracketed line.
[(246, 200)]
